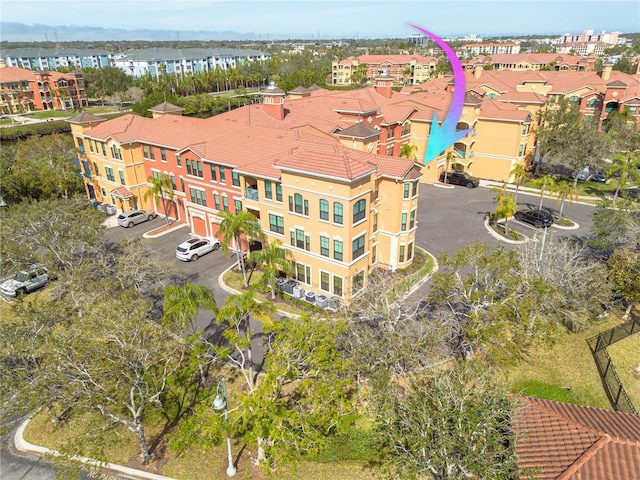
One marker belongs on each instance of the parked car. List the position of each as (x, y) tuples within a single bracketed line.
[(583, 174), (633, 193), (537, 218), (134, 217), (25, 281), (194, 248), (460, 178), (599, 177)]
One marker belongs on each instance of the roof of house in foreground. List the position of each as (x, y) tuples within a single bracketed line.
[(562, 441)]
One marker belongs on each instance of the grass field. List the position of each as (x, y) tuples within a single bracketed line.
[(564, 372), (625, 356)]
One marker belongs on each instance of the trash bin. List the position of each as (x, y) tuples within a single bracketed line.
[(111, 210), (280, 283), (310, 297), (322, 301), (298, 291)]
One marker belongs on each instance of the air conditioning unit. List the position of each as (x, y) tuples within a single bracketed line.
[(298, 291)]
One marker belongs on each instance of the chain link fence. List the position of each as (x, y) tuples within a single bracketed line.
[(613, 386)]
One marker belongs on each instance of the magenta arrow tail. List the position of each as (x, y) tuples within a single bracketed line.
[(441, 137)]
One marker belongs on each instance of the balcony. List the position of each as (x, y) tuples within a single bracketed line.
[(459, 153), (251, 194)]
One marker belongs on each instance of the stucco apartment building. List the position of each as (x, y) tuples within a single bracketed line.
[(533, 61), (24, 90), (53, 58), (403, 69), (490, 48), (340, 211)]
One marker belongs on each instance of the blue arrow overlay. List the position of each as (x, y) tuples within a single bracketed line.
[(441, 137)]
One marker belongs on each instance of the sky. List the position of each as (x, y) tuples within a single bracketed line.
[(311, 19)]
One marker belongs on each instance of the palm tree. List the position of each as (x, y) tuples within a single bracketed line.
[(237, 312), (543, 182), (161, 189), (232, 227), (273, 260), (182, 304), (627, 167), (565, 191), (446, 166), (520, 175), (506, 206), (406, 151)]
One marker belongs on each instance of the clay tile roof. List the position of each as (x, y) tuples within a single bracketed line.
[(616, 84), (492, 109), (299, 89), (571, 442), (358, 130), (471, 100), (272, 90), (121, 192), (15, 74), (522, 97), (166, 107), (84, 117)]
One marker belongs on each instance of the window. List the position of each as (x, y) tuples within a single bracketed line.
[(412, 219), (324, 210), (358, 247), (155, 175), (407, 188), (178, 160), (182, 184), (235, 179), (95, 167), (410, 252), (390, 132), (268, 190), (357, 282), (81, 146), (406, 128), (403, 227), (337, 250), (152, 154), (173, 181), (163, 154), (376, 191), (521, 150), (298, 204), (91, 146), (276, 224), (278, 192), (324, 246), (375, 222), (225, 203), (525, 129), (337, 213), (414, 190), (115, 152), (109, 172), (359, 210), (216, 201), (374, 253), (303, 273), (104, 149), (194, 168), (198, 196), (401, 259), (337, 286), (223, 178), (121, 177), (237, 204), (145, 151), (324, 281), (214, 178)]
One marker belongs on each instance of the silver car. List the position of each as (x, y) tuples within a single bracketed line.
[(25, 281), (194, 248), (134, 217)]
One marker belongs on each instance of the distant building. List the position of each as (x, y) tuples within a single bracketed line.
[(155, 61), (583, 48), (404, 69), (490, 48), (532, 61), (23, 90), (54, 58), (588, 36)]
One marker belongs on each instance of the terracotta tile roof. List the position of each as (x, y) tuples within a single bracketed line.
[(492, 109), (358, 130), (121, 192), (522, 97), (16, 74), (572, 442), (84, 117), (396, 113), (394, 59), (166, 107)]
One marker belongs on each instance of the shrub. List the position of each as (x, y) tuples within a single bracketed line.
[(354, 444)]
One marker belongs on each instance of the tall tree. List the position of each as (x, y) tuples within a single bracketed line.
[(623, 271), (447, 424), (543, 183), (520, 174), (232, 228), (407, 151), (161, 190), (506, 206), (566, 191), (272, 260), (182, 305), (616, 225), (627, 166)]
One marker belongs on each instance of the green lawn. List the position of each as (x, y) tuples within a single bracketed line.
[(625, 355), (564, 372)]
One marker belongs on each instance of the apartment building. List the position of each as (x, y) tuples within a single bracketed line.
[(155, 61), (24, 90), (490, 48), (583, 48), (340, 211), (610, 38), (403, 69), (53, 58), (532, 61)]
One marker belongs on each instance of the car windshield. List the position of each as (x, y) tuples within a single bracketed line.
[(21, 276), (182, 249)]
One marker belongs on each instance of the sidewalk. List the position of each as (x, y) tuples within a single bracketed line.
[(586, 199)]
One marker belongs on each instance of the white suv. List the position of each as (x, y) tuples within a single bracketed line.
[(134, 217), (25, 281)]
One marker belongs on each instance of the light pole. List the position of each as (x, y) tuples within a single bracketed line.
[(220, 403)]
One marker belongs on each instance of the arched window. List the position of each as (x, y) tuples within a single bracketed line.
[(359, 210)]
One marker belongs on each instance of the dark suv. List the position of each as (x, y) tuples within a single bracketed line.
[(537, 218), (460, 178)]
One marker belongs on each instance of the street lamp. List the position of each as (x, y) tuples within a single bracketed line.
[(220, 403)]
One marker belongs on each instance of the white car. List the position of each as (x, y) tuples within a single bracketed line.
[(194, 248), (25, 281), (134, 217)]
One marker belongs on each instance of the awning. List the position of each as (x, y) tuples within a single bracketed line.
[(121, 192)]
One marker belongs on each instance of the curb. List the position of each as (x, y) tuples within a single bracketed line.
[(23, 446), (164, 232), (536, 192), (501, 238), (575, 226)]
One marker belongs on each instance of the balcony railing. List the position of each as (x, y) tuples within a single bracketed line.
[(458, 152), (251, 194)]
